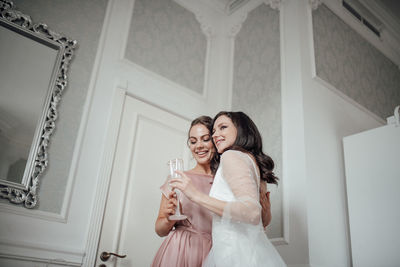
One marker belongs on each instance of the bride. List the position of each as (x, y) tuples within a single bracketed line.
[(237, 233)]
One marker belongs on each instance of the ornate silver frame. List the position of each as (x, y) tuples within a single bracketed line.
[(26, 193)]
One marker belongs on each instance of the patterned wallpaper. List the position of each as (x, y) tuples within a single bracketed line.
[(167, 39), (257, 90), (352, 65)]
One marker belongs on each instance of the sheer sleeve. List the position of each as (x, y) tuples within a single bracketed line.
[(240, 174)]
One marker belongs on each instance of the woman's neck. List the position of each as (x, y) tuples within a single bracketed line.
[(203, 169)]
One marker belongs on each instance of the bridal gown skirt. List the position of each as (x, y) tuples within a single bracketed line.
[(239, 244)]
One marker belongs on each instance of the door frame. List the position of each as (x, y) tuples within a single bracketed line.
[(118, 77)]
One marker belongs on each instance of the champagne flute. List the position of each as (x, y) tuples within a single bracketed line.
[(176, 165)]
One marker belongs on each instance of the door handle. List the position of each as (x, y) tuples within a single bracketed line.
[(104, 256)]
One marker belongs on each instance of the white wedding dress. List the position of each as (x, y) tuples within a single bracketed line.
[(238, 236)]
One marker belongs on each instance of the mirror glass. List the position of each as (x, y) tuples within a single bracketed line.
[(34, 63), (25, 80)]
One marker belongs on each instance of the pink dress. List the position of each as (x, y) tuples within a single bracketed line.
[(189, 242)]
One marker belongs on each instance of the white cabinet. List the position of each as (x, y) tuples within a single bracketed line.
[(372, 164)]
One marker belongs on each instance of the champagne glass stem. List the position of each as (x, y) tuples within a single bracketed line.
[(178, 209)]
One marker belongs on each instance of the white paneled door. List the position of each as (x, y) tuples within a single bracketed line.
[(148, 138)]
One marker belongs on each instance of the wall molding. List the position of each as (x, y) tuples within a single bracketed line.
[(236, 24), (154, 79), (285, 190), (387, 45), (207, 19), (117, 78), (326, 84), (206, 27), (38, 214), (279, 241), (274, 4), (62, 217), (39, 260), (49, 253), (129, 78), (149, 86), (204, 15), (348, 99), (233, 24), (314, 4), (104, 177)]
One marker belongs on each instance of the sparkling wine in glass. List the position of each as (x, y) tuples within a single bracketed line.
[(173, 166)]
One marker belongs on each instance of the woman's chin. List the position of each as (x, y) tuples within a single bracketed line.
[(203, 161)]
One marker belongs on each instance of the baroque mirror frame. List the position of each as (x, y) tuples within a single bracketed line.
[(26, 192)]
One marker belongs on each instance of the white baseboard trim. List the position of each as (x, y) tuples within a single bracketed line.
[(45, 253)]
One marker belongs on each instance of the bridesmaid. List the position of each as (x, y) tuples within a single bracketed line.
[(188, 241)]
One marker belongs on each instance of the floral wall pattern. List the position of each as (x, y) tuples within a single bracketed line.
[(257, 89), (353, 66), (167, 39)]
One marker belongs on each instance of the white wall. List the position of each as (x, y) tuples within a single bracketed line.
[(55, 231), (328, 117), (314, 120), (81, 21), (116, 72), (256, 90)]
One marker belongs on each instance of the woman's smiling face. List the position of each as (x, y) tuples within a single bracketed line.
[(224, 133), (200, 144)]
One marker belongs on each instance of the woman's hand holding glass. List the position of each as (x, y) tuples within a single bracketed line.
[(185, 185), (169, 208), (175, 166)]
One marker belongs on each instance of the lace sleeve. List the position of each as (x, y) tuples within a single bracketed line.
[(239, 173)]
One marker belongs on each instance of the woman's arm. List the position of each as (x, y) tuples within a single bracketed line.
[(186, 186), (240, 177), (167, 207), (265, 204)]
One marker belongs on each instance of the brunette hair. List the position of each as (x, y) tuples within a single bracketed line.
[(208, 123), (249, 140)]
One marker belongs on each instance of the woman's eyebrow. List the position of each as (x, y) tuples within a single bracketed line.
[(190, 137)]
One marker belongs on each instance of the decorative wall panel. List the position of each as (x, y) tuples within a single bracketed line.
[(257, 90), (75, 18), (166, 38), (353, 66)]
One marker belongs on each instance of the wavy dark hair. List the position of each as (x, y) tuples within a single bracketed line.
[(208, 123), (249, 140)]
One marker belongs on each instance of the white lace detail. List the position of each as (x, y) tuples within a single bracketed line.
[(241, 176), (238, 236)]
